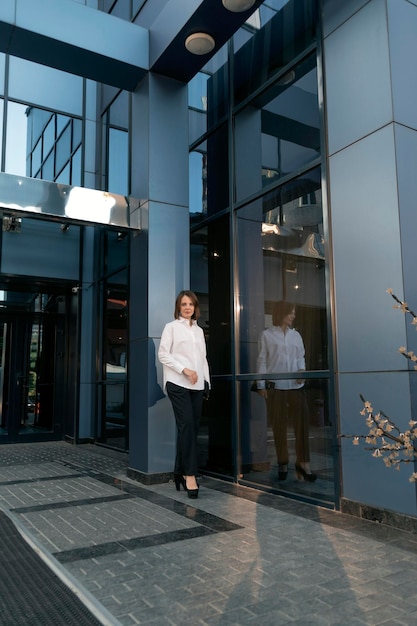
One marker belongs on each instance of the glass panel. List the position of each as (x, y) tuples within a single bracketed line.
[(76, 168), (281, 257), (29, 252), (218, 96), (39, 388), (32, 146), (32, 367), (37, 158), (215, 434), (210, 275), (45, 87), (282, 335), (3, 341), (49, 136), (279, 34), (115, 153), (198, 182), (121, 9), (209, 176), (16, 139), (279, 132), (48, 168), (295, 425), (197, 125), (63, 149), (61, 122), (197, 101), (112, 398), (197, 92), (217, 171), (64, 176), (118, 161)]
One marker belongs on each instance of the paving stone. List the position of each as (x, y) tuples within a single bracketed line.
[(233, 557)]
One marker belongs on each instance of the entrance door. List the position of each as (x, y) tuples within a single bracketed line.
[(31, 376)]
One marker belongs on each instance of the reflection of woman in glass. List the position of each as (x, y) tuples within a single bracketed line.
[(282, 350)]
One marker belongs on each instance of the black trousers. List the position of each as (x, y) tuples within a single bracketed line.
[(284, 405), (187, 405)]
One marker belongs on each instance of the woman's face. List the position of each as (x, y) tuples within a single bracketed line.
[(289, 319), (186, 308)]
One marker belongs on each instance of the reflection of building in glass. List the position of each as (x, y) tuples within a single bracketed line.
[(273, 168), (53, 146)]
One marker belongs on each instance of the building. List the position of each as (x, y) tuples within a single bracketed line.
[(252, 151)]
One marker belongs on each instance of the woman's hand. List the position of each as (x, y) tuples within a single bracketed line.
[(191, 375), (263, 393)]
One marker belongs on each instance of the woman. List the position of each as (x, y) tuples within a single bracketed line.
[(282, 350), (182, 352)]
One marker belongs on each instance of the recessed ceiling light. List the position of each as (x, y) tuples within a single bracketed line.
[(199, 43), (238, 6)]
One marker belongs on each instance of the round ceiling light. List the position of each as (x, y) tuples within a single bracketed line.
[(199, 43), (238, 6)]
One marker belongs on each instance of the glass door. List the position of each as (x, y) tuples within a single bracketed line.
[(31, 376)]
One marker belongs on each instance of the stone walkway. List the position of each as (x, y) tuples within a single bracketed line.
[(139, 554)]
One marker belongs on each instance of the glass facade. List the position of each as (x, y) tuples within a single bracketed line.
[(257, 241)]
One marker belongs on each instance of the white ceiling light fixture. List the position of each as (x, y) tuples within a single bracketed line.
[(238, 6), (200, 43)]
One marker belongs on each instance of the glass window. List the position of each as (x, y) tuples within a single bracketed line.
[(63, 149), (16, 139), (210, 281), (209, 266), (49, 137), (197, 102), (121, 9), (280, 31), (48, 168), (279, 131), (115, 152), (118, 161), (281, 258), (76, 168), (283, 339), (61, 123), (77, 128), (286, 439), (37, 158), (113, 387), (197, 91), (45, 87), (197, 125), (65, 176), (217, 170), (32, 147), (198, 182)]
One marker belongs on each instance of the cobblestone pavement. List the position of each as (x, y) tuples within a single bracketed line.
[(149, 555)]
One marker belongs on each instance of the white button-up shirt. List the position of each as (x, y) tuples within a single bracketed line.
[(281, 351), (183, 346)]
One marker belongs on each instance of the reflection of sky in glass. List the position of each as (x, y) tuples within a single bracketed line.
[(16, 139), (197, 91), (196, 183), (118, 161), (257, 20)]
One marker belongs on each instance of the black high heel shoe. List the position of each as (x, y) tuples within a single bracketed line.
[(192, 493), (301, 473), (282, 472), (180, 480)]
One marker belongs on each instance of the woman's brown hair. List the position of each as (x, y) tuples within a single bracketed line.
[(281, 309), (194, 300)]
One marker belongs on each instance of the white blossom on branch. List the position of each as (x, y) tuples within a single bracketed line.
[(384, 439)]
